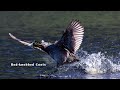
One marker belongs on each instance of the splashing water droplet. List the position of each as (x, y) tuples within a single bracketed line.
[(94, 65), (97, 63)]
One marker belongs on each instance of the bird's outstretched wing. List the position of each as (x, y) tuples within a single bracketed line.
[(72, 37), (27, 43)]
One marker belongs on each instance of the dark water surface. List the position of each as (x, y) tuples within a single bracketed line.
[(99, 53)]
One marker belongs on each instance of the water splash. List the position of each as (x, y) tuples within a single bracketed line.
[(90, 66), (97, 63)]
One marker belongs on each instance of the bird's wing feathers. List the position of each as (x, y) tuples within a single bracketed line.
[(27, 43), (72, 37)]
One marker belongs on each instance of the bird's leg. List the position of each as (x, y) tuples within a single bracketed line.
[(72, 58)]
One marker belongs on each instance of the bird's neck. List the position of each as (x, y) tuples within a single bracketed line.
[(44, 49)]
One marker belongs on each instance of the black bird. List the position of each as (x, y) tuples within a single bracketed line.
[(62, 51)]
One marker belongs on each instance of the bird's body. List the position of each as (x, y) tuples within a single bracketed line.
[(62, 51), (59, 54)]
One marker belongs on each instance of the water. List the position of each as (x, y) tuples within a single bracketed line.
[(99, 53), (91, 65)]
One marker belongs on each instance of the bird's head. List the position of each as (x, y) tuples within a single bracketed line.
[(37, 44), (40, 45)]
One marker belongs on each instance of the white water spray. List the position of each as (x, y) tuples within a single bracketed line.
[(97, 63)]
